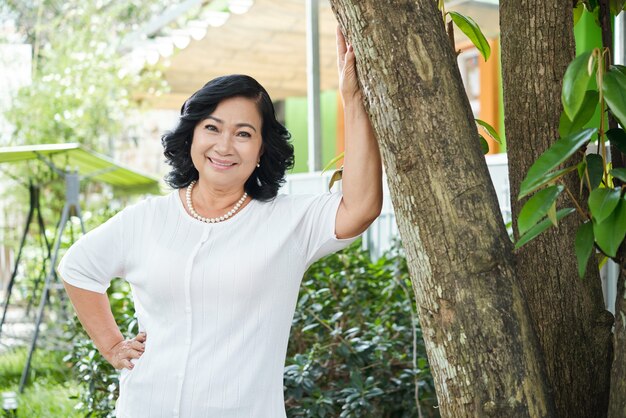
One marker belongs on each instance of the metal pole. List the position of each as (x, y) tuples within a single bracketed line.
[(619, 47), (313, 85)]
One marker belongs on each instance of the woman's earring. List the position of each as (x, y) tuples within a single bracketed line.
[(258, 165)]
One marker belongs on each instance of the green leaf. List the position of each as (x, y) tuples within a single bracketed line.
[(614, 89), (473, 32), (490, 130), (484, 146), (552, 214), (547, 179), (585, 113), (602, 202), (575, 83), (540, 227), (536, 207), (333, 161), (620, 68), (595, 168), (610, 233), (337, 175), (583, 246), (619, 173), (560, 151), (617, 136)]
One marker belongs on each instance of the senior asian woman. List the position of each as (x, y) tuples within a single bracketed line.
[(215, 266)]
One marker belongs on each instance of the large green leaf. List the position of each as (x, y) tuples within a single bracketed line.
[(619, 173), (617, 136), (614, 89), (595, 168), (547, 179), (602, 202), (620, 68), (560, 151), (473, 32), (575, 83), (585, 113), (490, 130), (610, 233), (583, 246), (540, 227), (536, 207)]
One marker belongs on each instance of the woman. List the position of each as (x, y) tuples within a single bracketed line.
[(215, 266)]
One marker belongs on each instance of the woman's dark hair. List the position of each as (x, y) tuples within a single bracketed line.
[(277, 157)]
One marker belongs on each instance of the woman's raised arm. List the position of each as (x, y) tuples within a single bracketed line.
[(362, 168)]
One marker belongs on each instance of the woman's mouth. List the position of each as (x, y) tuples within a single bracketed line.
[(221, 165)]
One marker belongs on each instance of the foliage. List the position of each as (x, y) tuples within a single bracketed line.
[(49, 395), (81, 91), (604, 211), (353, 351)]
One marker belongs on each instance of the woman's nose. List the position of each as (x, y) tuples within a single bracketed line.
[(223, 142)]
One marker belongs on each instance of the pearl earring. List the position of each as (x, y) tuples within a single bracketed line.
[(258, 165)]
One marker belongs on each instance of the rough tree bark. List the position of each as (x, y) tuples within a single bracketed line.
[(617, 404), (573, 327), (481, 345)]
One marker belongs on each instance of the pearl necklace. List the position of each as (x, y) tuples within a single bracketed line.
[(212, 220)]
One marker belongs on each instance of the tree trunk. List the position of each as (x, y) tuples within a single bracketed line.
[(481, 345), (617, 405), (573, 327)]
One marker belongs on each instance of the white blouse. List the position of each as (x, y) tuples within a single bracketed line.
[(215, 300)]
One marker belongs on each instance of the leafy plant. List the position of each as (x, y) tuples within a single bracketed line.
[(604, 211), (356, 348)]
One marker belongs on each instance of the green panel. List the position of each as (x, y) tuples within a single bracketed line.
[(296, 122)]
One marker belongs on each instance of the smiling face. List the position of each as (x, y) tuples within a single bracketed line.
[(227, 145)]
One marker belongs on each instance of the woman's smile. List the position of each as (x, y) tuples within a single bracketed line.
[(220, 164)]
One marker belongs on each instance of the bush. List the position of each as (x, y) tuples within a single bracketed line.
[(356, 348)]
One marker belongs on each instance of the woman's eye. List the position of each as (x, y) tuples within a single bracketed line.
[(245, 134), (211, 127)]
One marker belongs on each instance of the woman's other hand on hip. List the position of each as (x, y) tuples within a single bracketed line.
[(120, 354)]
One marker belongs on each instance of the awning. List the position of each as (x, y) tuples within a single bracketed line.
[(89, 164)]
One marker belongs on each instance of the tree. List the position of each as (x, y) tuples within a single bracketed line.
[(460, 261), (573, 327), (482, 348)]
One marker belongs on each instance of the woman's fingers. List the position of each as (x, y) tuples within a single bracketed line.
[(135, 353), (341, 49), (123, 352), (126, 364), (139, 346)]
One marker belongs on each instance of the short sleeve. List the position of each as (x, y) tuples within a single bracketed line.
[(97, 257), (316, 225)]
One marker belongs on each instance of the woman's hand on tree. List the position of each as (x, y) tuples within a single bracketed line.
[(346, 64), (121, 353)]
